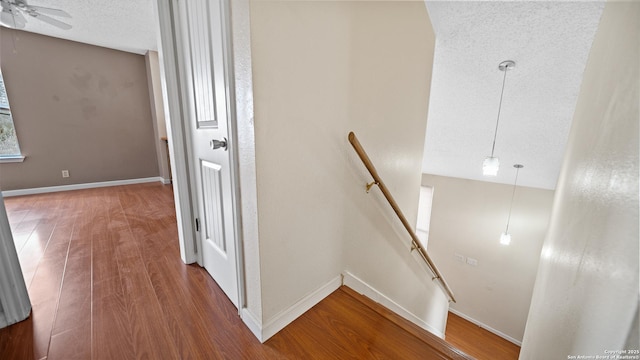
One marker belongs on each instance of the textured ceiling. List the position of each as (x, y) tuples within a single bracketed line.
[(127, 25), (550, 43)]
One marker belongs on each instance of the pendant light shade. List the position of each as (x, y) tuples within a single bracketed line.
[(505, 238), (491, 164)]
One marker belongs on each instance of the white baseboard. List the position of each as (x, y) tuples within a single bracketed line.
[(165, 181), (486, 327), (367, 290), (254, 325), (287, 316), (49, 189)]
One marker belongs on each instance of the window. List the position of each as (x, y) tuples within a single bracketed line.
[(424, 214), (9, 148)]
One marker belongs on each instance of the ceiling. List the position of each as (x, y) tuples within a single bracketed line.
[(548, 40), (550, 43), (127, 25)]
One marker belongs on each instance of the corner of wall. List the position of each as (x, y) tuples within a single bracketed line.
[(285, 317)]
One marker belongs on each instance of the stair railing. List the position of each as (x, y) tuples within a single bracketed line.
[(415, 242)]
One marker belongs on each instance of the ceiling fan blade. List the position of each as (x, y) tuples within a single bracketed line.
[(51, 21), (19, 19), (50, 11), (8, 18)]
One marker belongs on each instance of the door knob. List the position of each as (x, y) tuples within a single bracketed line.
[(217, 144)]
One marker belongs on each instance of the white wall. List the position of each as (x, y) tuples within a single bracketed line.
[(321, 69), (467, 218), (300, 79), (586, 291), (392, 56)]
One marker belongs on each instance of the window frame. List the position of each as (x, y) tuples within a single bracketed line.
[(10, 158), (423, 218)]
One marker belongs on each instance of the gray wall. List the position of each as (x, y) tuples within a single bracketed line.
[(76, 107), (586, 292)]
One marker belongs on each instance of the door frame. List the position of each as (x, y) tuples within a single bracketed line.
[(180, 141)]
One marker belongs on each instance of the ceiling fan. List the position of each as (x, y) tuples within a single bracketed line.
[(13, 12)]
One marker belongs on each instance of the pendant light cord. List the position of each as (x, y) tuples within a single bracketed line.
[(513, 194), (495, 134)]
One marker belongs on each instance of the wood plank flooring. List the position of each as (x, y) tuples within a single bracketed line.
[(478, 342), (106, 282)]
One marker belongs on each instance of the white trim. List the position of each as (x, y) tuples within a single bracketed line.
[(287, 316), (369, 291), (486, 327), (254, 325), (247, 208), (165, 181), (172, 90), (49, 189), (227, 46), (12, 159)]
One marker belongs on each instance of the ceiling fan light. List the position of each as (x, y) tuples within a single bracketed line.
[(505, 238), (490, 166)]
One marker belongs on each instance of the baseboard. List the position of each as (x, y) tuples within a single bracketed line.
[(369, 291), (486, 327), (251, 322), (285, 317), (50, 189), (165, 181)]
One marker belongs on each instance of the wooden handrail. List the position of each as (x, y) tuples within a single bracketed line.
[(415, 241)]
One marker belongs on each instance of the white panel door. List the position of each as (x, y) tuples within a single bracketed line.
[(203, 56)]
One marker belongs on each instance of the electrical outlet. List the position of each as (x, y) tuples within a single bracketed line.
[(472, 262), (65, 173), (460, 257)]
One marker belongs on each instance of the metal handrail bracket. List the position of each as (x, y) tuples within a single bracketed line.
[(415, 242)]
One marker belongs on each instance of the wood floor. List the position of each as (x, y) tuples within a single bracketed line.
[(106, 282), (478, 342)]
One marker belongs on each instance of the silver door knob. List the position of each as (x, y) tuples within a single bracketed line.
[(217, 144)]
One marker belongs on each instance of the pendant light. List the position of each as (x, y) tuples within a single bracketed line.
[(491, 164), (505, 238)]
